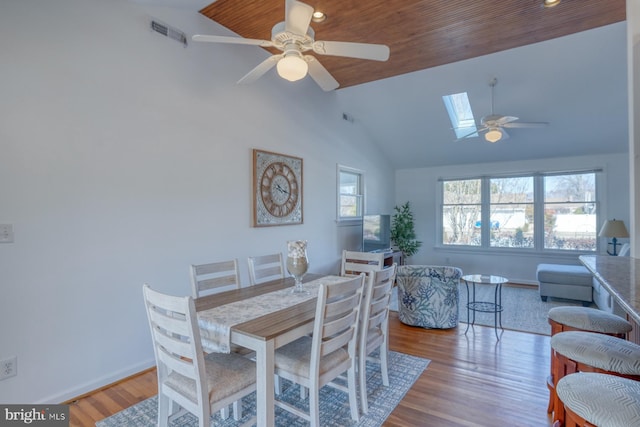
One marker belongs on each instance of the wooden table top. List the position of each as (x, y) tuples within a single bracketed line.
[(270, 325)]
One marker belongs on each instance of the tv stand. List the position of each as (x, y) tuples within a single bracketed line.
[(391, 257)]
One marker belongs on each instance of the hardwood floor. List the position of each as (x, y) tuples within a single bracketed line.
[(472, 380)]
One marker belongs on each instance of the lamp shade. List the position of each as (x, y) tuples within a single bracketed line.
[(613, 228)]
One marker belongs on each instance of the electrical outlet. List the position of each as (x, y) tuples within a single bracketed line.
[(6, 233), (8, 367)]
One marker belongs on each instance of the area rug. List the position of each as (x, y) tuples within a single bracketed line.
[(523, 308), (404, 370)]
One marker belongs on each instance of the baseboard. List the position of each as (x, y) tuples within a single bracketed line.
[(74, 393)]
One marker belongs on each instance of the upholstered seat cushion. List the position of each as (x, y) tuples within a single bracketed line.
[(598, 350), (226, 374), (296, 356), (603, 400), (590, 319), (559, 273)]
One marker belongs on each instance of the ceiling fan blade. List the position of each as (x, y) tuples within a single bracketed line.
[(526, 125), (297, 17), (259, 71), (233, 40), (471, 133), (320, 74), (376, 52), (502, 120)]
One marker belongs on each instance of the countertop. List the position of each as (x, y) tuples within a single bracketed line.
[(621, 277)]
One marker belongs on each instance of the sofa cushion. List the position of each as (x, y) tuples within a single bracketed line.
[(561, 273)]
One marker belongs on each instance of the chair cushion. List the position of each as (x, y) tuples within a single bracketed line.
[(603, 400), (590, 319), (226, 374), (600, 351), (559, 273), (295, 357)]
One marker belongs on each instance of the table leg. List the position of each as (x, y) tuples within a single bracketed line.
[(466, 285), (264, 384)]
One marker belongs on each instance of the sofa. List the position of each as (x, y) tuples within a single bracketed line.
[(574, 282)]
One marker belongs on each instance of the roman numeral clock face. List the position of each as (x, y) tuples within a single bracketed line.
[(277, 189)]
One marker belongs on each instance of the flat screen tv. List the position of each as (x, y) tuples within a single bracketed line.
[(376, 233)]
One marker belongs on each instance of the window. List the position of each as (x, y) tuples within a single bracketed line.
[(570, 212), (511, 212), (462, 212), (350, 194), (460, 114), (539, 211)]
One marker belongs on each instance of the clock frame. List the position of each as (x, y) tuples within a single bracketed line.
[(277, 189)]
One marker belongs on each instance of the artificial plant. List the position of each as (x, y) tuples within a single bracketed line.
[(402, 231)]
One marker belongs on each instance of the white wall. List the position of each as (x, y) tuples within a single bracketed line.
[(420, 187), (124, 157)]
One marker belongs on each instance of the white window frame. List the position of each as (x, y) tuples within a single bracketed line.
[(359, 194), (539, 204)]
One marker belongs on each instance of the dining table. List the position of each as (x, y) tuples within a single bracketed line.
[(263, 317)]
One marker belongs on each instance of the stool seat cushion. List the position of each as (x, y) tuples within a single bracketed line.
[(590, 319), (560, 273), (600, 351), (603, 400)]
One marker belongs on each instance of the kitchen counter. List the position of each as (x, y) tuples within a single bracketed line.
[(621, 277)]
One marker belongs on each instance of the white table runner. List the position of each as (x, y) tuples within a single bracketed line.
[(216, 323)]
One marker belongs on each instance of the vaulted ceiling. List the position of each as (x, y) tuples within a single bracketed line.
[(421, 33), (565, 65)]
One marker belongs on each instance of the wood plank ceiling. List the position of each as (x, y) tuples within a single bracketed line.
[(421, 33)]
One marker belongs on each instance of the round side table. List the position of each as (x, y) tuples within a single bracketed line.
[(494, 306)]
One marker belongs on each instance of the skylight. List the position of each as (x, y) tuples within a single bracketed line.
[(460, 113)]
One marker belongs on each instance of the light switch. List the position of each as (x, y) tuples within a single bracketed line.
[(6, 233)]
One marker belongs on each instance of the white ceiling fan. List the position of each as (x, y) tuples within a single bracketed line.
[(293, 37), (494, 124)]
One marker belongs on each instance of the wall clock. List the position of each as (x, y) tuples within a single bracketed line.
[(277, 189)]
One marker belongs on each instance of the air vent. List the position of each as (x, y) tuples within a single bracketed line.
[(170, 32), (347, 117)]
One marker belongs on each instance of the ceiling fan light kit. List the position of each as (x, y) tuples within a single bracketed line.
[(292, 67), (293, 37), (494, 135), (550, 3), (494, 124)]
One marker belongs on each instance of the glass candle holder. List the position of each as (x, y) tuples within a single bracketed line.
[(297, 263)]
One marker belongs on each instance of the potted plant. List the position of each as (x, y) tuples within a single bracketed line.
[(403, 233)]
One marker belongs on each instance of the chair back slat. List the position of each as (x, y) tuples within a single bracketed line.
[(214, 277), (354, 263), (176, 340), (337, 318), (265, 268)]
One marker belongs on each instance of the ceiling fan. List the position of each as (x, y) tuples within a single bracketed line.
[(494, 124), (293, 37)]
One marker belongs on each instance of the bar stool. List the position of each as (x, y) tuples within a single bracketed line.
[(593, 399), (576, 351), (586, 319)]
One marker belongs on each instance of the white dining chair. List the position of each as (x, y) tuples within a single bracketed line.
[(374, 328), (196, 383), (264, 268), (354, 263), (214, 277), (316, 361)]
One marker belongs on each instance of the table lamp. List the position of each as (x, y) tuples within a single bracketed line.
[(614, 228)]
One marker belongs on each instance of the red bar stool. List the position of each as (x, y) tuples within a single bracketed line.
[(576, 351), (586, 319), (592, 399)]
